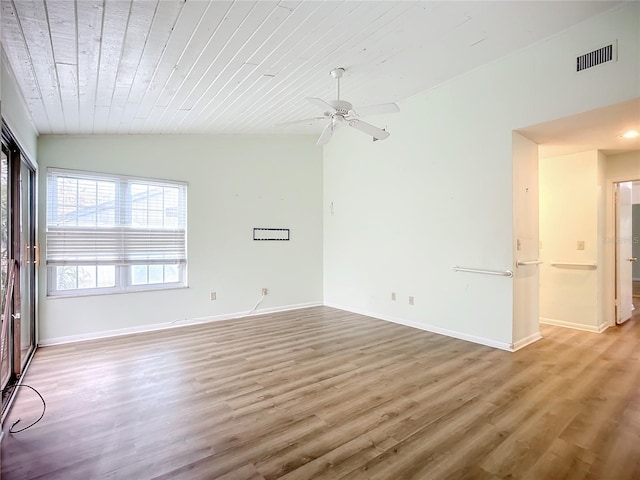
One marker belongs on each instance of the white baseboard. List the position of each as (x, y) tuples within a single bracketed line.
[(510, 347), (534, 337), (173, 324), (430, 328), (603, 327), (575, 326)]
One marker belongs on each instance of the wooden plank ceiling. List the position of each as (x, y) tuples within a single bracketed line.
[(195, 66)]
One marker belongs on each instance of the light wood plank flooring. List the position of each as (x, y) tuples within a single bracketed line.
[(324, 394)]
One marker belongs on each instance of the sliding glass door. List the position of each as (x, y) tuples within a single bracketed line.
[(18, 259), (6, 347)]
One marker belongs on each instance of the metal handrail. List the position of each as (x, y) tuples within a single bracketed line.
[(528, 262), (571, 264), (500, 273)]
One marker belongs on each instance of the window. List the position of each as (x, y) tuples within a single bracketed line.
[(108, 233)]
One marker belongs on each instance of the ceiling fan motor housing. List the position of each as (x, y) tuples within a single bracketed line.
[(341, 106)]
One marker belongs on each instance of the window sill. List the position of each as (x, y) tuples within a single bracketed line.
[(114, 292)]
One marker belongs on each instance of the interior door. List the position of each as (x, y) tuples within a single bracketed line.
[(624, 258)]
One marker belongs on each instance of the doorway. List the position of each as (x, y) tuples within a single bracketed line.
[(627, 211), (18, 263), (576, 224)]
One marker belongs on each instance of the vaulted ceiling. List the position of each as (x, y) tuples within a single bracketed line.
[(194, 66)]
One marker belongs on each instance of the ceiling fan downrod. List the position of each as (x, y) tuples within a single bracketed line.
[(337, 74)]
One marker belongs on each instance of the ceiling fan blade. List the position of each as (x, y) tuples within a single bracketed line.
[(369, 129), (376, 109), (326, 135), (321, 103), (307, 121)]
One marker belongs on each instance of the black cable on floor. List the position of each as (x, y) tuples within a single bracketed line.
[(44, 408)]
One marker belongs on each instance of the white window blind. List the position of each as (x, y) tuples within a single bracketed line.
[(114, 246), (100, 219)]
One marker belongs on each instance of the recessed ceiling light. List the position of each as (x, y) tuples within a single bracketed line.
[(631, 134)]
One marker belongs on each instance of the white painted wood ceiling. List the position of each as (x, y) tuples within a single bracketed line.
[(194, 66)]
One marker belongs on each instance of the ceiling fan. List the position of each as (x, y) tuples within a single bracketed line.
[(340, 112)]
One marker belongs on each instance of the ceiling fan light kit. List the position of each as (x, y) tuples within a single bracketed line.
[(340, 112)]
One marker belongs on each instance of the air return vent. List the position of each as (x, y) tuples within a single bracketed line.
[(597, 57)]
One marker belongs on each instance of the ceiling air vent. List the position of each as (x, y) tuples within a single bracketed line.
[(597, 57)]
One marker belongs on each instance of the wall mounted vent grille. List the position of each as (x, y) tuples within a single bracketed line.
[(597, 57)]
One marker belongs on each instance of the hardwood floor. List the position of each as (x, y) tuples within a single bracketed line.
[(324, 394)]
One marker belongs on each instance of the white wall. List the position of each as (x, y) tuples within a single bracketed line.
[(15, 113), (635, 192), (623, 166), (439, 191), (569, 212), (526, 278), (235, 183), (604, 308)]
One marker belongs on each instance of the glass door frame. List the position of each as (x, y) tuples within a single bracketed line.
[(28, 258), (6, 363), (25, 256)]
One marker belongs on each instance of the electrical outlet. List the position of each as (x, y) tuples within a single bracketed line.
[(518, 245), (580, 244), (410, 300), (264, 291), (213, 295), (393, 296)]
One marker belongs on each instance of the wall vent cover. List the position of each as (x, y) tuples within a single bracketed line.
[(597, 57)]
